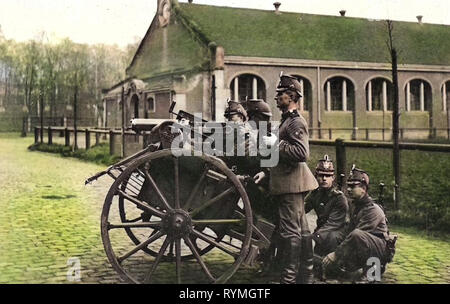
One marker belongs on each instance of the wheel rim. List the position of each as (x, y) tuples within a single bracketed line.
[(188, 229)]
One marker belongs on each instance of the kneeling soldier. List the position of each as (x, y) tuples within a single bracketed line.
[(368, 236), (331, 207)]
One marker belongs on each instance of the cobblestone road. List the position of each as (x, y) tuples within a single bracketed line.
[(49, 216)]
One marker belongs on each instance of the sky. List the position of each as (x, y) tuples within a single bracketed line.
[(126, 21)]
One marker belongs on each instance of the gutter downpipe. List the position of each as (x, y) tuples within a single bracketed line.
[(319, 118)]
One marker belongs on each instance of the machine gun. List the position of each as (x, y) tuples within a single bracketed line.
[(185, 115)]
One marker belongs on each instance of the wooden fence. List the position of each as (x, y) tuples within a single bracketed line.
[(114, 135), (384, 134), (340, 146)]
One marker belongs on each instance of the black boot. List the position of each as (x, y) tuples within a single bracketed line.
[(318, 267), (291, 261), (305, 273)]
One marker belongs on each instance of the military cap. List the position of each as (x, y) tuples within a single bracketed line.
[(235, 107), (325, 166), (258, 106), (358, 176), (288, 82)]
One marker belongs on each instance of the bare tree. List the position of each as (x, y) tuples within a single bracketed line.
[(395, 114)]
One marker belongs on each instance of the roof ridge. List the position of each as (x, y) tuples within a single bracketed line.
[(309, 14)]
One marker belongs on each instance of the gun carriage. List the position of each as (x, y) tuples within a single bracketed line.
[(169, 219)]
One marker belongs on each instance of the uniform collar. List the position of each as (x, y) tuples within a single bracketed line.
[(364, 200), (291, 113)]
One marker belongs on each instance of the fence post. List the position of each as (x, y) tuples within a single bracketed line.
[(24, 127), (50, 136), (36, 135), (382, 133), (97, 138), (341, 162), (88, 138), (320, 133), (61, 132), (448, 133), (330, 133), (401, 133), (111, 142), (41, 134), (434, 133), (66, 137), (367, 133), (354, 133)]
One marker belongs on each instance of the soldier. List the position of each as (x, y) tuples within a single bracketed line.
[(331, 207), (235, 112), (368, 235), (290, 179), (258, 110)]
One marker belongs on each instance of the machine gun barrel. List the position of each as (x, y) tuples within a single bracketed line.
[(185, 115)]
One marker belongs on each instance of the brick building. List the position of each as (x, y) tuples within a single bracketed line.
[(199, 55)]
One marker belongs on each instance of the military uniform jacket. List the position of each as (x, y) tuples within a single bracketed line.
[(367, 216), (292, 174), (331, 208)]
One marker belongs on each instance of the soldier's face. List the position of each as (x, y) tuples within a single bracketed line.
[(325, 181), (283, 101), (356, 191), (236, 118)]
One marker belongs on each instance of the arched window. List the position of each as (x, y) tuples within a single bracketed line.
[(339, 94), (418, 95), (151, 104), (379, 95), (247, 85), (135, 106), (445, 90), (306, 89)]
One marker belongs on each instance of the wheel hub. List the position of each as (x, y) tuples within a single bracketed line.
[(177, 223)]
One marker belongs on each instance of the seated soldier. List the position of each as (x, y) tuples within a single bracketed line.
[(331, 207), (236, 114), (368, 235), (258, 113)]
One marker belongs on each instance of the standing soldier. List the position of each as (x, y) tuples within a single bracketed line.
[(331, 207), (290, 179), (368, 231)]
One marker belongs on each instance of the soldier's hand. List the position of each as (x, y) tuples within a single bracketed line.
[(259, 177), (329, 259), (269, 140)]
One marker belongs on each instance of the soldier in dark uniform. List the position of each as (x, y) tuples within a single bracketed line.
[(235, 112), (331, 207), (258, 110), (368, 234), (290, 179)]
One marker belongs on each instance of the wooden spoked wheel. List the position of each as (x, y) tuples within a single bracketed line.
[(168, 219)]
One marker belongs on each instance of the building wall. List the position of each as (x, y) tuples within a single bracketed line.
[(359, 75), (168, 50)]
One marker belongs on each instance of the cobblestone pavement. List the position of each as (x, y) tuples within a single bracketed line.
[(49, 216)]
